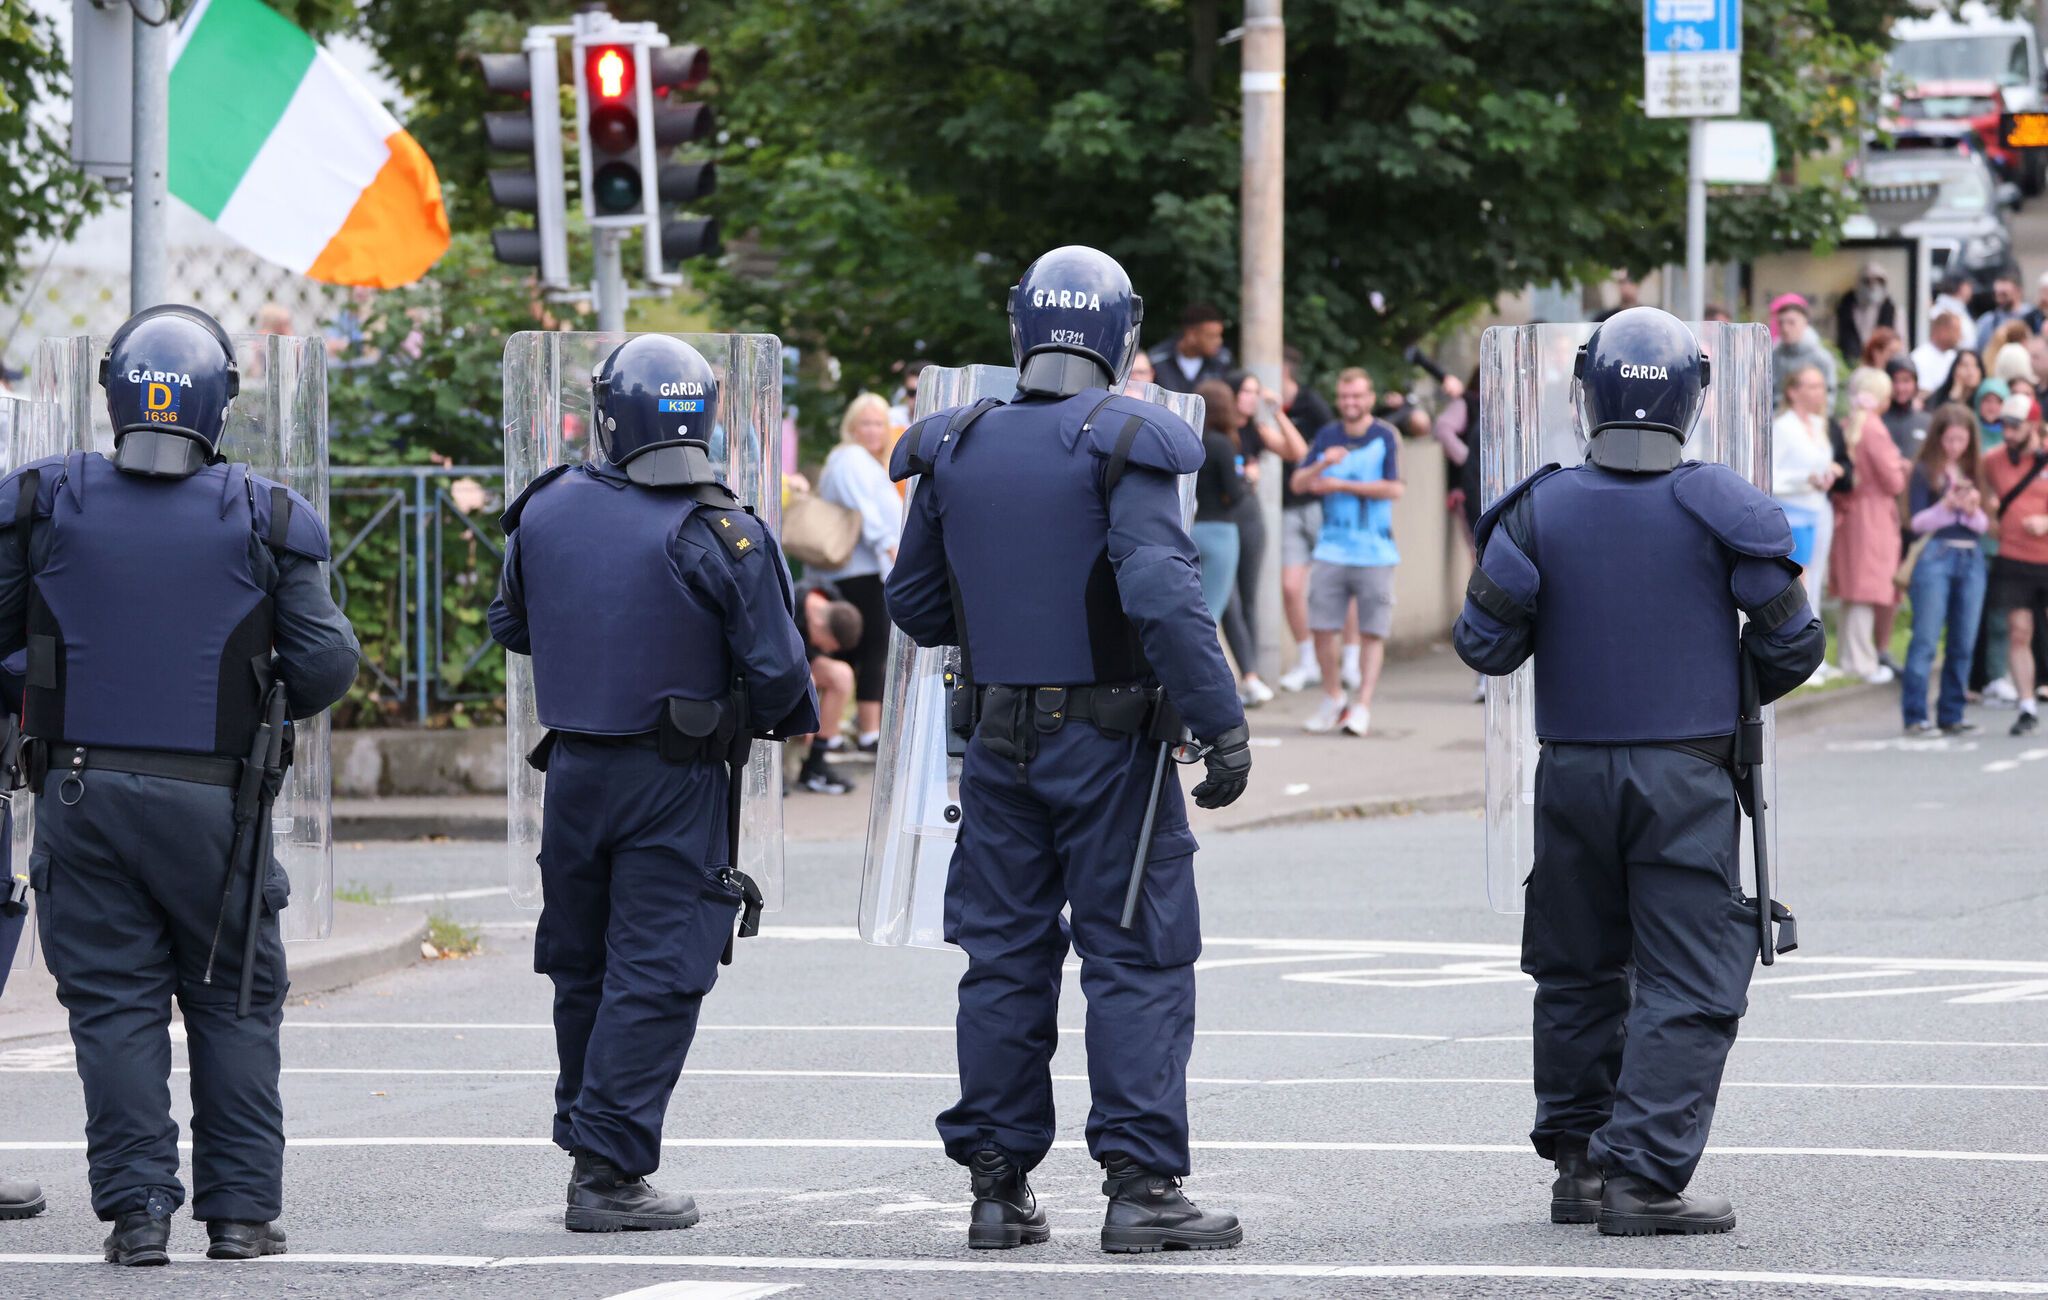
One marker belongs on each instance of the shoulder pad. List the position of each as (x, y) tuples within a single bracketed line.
[(305, 532), (1493, 514), (736, 527), (510, 519), (917, 451), (48, 471), (1146, 433), (913, 452), (1733, 509)]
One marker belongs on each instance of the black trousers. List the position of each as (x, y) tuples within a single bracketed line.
[(1641, 945), (870, 659), (128, 881)]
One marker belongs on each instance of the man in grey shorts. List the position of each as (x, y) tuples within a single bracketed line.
[(1353, 466)]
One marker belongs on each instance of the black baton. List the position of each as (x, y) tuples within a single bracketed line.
[(273, 732), (1750, 746), (1137, 885)]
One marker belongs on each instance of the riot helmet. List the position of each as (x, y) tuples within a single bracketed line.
[(170, 375), (1073, 322), (1639, 379), (655, 404)]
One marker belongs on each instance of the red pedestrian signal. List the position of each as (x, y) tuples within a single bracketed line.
[(611, 71)]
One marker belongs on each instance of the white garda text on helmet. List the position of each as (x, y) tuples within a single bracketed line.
[(1632, 371), (1079, 299)]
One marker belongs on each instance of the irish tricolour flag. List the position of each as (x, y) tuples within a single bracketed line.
[(275, 143)]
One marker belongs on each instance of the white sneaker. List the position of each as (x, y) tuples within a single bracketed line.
[(1357, 720), (1327, 715), (2000, 692), (1255, 693), (1350, 677), (1300, 678), (1923, 728), (1479, 689), (1882, 677)]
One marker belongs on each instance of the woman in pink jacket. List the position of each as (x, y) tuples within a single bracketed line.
[(1867, 546)]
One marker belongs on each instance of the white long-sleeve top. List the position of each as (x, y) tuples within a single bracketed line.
[(1799, 450), (856, 480)]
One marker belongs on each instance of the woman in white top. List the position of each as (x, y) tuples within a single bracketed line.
[(856, 478), (1803, 468)]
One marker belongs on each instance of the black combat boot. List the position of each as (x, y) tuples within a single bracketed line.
[(1635, 1207), (142, 1237), (1147, 1212), (19, 1199), (1005, 1212), (603, 1199), (1575, 1192), (233, 1239)]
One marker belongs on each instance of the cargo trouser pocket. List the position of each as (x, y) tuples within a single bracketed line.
[(699, 942)]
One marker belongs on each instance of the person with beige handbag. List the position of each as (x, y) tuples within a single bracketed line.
[(856, 481)]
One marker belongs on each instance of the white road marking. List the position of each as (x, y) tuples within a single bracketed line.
[(450, 895), (2001, 765), (949, 1077), (1078, 1031), (1313, 1272), (1075, 1144), (697, 1290)]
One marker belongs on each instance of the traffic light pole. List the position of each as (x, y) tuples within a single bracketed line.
[(611, 282), (150, 146)]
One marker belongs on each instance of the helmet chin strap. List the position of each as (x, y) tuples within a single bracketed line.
[(1061, 374), (1636, 451)]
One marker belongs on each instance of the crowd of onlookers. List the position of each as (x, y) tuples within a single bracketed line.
[(1921, 482), (1916, 483)]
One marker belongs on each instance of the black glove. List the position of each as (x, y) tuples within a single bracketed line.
[(1229, 760)]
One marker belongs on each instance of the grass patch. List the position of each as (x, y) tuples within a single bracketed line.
[(448, 938), (357, 892)]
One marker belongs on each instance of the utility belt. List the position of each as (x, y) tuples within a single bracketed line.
[(1010, 719), (689, 731), (1721, 751), (40, 757)]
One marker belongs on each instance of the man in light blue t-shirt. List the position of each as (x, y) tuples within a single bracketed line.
[(1354, 466)]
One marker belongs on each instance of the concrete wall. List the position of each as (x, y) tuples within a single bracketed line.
[(1429, 587), (404, 761)]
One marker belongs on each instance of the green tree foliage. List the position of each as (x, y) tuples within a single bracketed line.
[(900, 163), (423, 384), (42, 196)]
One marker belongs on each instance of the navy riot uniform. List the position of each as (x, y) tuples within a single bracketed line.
[(163, 597), (659, 616), (1624, 577), (1046, 540)]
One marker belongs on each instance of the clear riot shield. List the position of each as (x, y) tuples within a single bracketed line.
[(278, 425), (22, 424), (1529, 418), (915, 814), (547, 423)]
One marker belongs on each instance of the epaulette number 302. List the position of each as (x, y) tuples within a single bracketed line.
[(736, 535)]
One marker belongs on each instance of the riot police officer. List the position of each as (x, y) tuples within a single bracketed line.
[(1623, 577), (1046, 540), (658, 613), (166, 598)]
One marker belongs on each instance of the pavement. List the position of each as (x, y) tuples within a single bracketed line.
[(1359, 1086)]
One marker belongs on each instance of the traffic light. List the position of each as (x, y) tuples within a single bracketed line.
[(535, 130), (676, 68), (628, 128)]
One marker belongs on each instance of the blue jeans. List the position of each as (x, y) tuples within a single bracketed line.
[(1947, 591), (1217, 542)]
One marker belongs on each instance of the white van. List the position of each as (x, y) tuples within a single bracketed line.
[(1977, 45)]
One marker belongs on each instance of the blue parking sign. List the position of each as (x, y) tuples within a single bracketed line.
[(1692, 26)]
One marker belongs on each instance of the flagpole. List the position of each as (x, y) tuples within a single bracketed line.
[(149, 200)]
